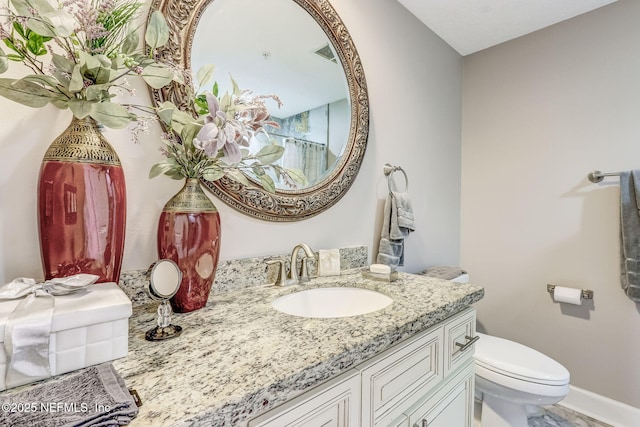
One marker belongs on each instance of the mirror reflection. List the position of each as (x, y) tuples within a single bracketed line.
[(276, 47), (241, 36)]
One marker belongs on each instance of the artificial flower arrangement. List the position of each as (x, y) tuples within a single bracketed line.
[(80, 53), (210, 141)]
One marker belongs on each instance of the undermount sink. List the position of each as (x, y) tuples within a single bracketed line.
[(331, 302)]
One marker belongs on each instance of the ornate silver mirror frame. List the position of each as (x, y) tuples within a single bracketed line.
[(285, 205)]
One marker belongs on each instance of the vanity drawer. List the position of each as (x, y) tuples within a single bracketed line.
[(396, 379), (459, 336), (335, 403)]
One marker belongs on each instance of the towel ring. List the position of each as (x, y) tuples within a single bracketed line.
[(388, 172)]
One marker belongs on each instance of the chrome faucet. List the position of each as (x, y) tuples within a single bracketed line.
[(293, 277)]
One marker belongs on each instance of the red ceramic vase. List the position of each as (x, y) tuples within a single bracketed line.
[(81, 205), (189, 235)]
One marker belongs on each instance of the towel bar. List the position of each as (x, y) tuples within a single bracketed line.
[(389, 170), (597, 176), (585, 294)]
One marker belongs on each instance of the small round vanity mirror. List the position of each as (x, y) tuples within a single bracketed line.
[(164, 282), (164, 279)]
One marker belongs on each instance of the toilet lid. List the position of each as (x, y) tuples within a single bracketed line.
[(518, 361)]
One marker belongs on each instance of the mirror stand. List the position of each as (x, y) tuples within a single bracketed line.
[(165, 329), (164, 282)]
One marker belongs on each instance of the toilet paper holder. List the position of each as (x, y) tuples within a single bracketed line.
[(584, 294)]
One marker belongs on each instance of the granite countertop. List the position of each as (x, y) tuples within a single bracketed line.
[(238, 357)]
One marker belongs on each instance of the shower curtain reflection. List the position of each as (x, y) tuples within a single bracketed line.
[(308, 156)]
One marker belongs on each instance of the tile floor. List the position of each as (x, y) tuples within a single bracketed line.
[(553, 416), (558, 416)]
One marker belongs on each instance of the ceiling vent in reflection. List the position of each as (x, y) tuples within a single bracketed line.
[(327, 53)]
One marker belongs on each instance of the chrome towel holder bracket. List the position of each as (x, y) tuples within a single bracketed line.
[(597, 176), (388, 172)]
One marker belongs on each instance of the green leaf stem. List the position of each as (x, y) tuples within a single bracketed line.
[(111, 115), (130, 43), (213, 173), (62, 64), (298, 176), (270, 153), (237, 175), (80, 107), (4, 61), (267, 183), (157, 75), (205, 75), (157, 34), (24, 92), (161, 168)]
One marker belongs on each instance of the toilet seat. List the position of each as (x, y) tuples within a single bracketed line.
[(496, 357)]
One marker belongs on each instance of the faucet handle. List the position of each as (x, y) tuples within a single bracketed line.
[(282, 271), (304, 270)]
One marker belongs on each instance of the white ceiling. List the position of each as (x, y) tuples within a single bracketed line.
[(273, 50), (472, 25)]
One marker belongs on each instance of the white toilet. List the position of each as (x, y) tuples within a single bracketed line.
[(511, 377)]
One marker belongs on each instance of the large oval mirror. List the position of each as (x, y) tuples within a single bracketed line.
[(300, 51)]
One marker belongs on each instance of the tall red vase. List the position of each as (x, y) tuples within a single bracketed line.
[(81, 205), (189, 235)]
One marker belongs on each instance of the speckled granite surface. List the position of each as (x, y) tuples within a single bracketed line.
[(240, 273), (238, 357)]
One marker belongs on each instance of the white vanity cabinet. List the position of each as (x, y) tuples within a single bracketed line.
[(450, 405), (425, 381), (396, 378), (335, 403)]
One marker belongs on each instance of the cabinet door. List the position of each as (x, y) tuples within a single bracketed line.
[(334, 404), (400, 376), (451, 406)]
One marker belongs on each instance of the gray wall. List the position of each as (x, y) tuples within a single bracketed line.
[(415, 84), (539, 113)]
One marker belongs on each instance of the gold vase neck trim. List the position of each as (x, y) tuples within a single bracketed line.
[(82, 142), (190, 198)]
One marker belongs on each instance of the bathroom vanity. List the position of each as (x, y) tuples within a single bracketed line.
[(240, 362), (426, 380)]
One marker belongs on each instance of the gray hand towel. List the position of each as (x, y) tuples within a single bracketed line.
[(443, 272), (397, 223), (401, 223), (630, 233), (96, 396)]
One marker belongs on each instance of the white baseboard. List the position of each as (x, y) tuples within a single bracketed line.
[(601, 408)]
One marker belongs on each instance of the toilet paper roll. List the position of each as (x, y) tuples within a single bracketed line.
[(567, 295)]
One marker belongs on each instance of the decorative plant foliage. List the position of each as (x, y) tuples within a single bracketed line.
[(80, 53), (208, 143)]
